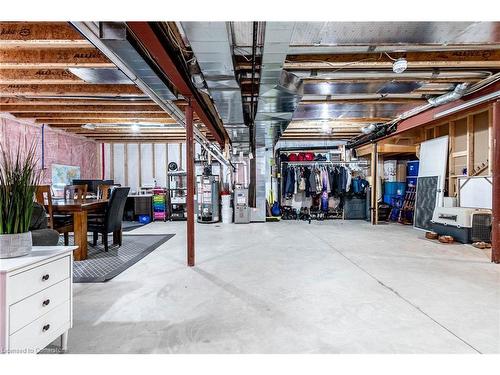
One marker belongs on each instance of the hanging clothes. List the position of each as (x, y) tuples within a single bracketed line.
[(312, 182), (348, 180), (307, 179)]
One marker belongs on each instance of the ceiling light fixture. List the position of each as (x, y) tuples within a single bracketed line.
[(400, 65), (135, 128), (89, 126)]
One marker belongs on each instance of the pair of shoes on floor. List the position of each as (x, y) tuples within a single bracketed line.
[(482, 245)]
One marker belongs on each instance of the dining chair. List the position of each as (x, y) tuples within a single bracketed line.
[(103, 190), (111, 220), (43, 196), (77, 192), (61, 223)]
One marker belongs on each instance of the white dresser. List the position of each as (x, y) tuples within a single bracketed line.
[(36, 299)]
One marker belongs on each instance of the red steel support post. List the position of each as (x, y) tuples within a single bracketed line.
[(495, 242), (190, 183)]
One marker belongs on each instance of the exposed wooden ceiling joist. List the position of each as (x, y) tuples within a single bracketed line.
[(38, 76), (45, 109), (66, 90), (105, 121), (92, 115), (40, 34), (159, 140), (53, 58)]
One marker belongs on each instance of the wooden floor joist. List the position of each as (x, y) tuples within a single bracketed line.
[(39, 76), (48, 116), (37, 34), (68, 89), (46, 109), (107, 121), (53, 58)]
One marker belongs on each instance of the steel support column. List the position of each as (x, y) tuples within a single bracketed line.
[(495, 242), (190, 183)]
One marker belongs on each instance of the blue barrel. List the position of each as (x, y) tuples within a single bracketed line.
[(412, 168)]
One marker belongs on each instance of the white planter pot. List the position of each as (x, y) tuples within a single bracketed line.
[(15, 245)]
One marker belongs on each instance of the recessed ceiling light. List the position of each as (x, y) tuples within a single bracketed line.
[(135, 128), (400, 65)]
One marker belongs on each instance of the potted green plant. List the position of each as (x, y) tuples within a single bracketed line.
[(19, 176)]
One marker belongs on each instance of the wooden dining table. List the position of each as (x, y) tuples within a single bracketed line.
[(79, 210)]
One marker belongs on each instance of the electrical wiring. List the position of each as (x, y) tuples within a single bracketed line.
[(345, 65)]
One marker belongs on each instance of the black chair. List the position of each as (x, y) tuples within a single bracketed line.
[(111, 220), (41, 234)]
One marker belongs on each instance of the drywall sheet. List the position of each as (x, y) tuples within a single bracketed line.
[(475, 192), (434, 162)]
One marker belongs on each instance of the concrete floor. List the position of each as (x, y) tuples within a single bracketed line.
[(291, 287)]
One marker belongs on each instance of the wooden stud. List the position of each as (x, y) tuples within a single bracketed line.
[(112, 161), (140, 163), (125, 161), (153, 160), (470, 145), (451, 161)]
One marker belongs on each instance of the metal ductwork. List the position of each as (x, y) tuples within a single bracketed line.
[(279, 94), (113, 40), (382, 130), (211, 44), (456, 94)]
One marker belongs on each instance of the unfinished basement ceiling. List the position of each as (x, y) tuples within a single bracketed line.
[(51, 74), (310, 76)]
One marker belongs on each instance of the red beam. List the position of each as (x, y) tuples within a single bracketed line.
[(495, 242), (144, 32), (190, 184)]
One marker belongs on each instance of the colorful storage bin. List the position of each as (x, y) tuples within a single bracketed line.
[(144, 219), (411, 181), (412, 168), (394, 188)]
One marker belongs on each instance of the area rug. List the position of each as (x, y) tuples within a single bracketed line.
[(128, 226), (101, 266)]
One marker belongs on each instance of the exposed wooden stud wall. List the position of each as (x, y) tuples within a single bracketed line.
[(470, 145), (140, 164), (112, 161), (153, 160), (125, 163)]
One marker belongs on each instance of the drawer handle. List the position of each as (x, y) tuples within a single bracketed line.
[(46, 327), (45, 277), (46, 302)]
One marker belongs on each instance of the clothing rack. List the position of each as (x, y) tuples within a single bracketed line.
[(312, 162)]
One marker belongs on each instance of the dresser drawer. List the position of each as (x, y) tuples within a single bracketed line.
[(29, 282), (38, 334), (29, 309)]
